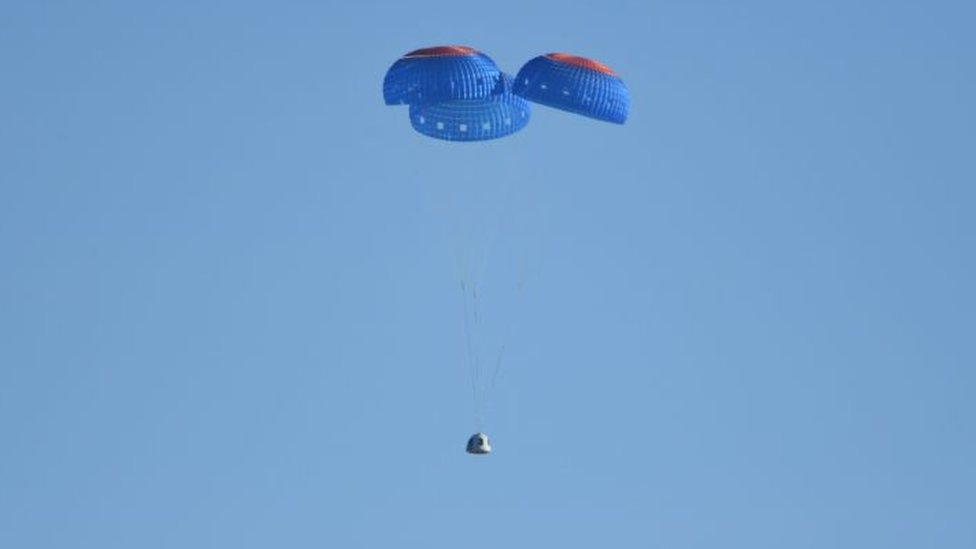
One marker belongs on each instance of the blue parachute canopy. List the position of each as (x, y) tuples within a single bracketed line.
[(500, 114), (441, 73), (575, 84)]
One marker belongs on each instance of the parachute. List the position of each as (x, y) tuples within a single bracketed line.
[(440, 73), (576, 84), (499, 114), (457, 93)]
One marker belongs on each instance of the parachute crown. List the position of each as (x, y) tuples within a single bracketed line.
[(579, 61), (441, 51)]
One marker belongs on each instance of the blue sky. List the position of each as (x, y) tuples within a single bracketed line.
[(229, 313)]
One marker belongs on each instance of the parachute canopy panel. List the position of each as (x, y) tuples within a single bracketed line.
[(440, 73), (500, 114), (576, 84)]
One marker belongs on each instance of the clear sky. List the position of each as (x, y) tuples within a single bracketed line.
[(229, 315)]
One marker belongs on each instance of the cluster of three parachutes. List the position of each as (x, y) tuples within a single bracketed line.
[(457, 93)]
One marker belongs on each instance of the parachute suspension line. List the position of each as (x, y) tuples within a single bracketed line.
[(510, 324), (488, 227), (469, 343), (521, 268), (476, 358), (467, 335), (457, 239), (498, 364), (486, 234), (477, 354), (475, 253), (471, 253)]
